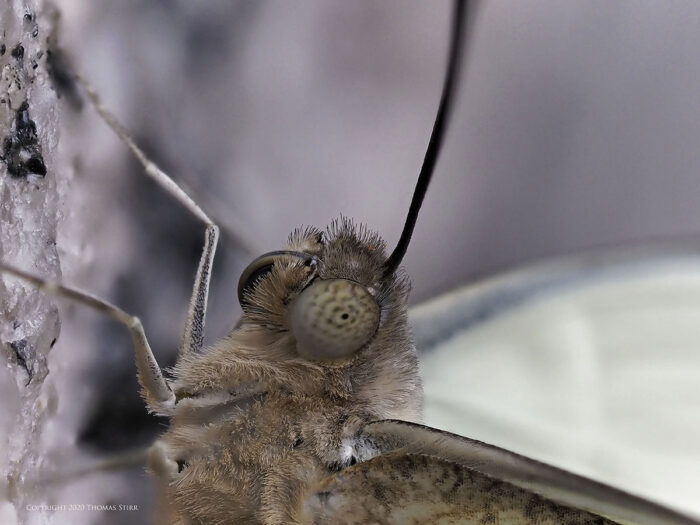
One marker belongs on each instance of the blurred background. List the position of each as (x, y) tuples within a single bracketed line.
[(577, 125)]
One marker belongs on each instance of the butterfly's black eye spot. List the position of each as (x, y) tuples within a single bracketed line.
[(333, 319)]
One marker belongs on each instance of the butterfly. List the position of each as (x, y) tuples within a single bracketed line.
[(285, 419)]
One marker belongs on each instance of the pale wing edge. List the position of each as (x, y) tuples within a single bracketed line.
[(553, 483)]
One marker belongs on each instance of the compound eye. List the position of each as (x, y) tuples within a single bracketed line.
[(333, 318), (262, 266)]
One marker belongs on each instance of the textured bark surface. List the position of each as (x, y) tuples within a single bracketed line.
[(29, 213)]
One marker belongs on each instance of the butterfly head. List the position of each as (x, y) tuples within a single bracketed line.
[(329, 289)]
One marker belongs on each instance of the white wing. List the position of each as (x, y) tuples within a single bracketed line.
[(590, 363)]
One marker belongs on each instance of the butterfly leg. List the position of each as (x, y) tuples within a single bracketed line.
[(155, 388), (193, 336)]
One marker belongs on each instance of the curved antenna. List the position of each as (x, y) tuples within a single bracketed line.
[(431, 155)]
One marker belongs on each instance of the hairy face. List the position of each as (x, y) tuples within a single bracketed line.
[(319, 318), (328, 291)]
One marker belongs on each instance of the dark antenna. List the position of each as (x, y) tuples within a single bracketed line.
[(431, 155)]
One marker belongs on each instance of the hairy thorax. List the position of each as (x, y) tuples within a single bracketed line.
[(250, 456)]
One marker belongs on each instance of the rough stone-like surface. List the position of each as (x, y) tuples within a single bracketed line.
[(29, 214)]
